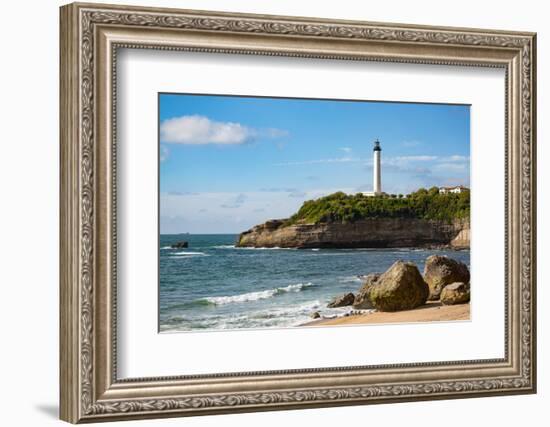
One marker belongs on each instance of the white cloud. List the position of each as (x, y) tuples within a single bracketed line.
[(400, 161), (182, 193), (277, 190), (415, 158), (451, 166), (201, 213), (423, 170), (235, 202), (455, 158), (318, 161), (201, 130), (346, 149)]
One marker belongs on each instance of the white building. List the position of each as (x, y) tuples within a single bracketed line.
[(377, 171), (456, 189)]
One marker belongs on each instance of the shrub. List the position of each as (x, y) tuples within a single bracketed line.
[(422, 204)]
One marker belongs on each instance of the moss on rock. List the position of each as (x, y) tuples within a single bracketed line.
[(401, 287)]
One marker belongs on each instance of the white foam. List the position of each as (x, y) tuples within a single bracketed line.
[(350, 279), (255, 296), (190, 253), (275, 317)]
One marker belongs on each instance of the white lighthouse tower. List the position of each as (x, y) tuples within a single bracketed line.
[(377, 173)]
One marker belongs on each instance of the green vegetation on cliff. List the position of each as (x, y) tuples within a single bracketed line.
[(422, 204)]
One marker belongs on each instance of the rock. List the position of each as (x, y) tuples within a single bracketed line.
[(315, 315), (273, 224), (365, 233), (342, 301), (180, 245), (441, 271), (362, 300), (462, 239), (401, 287), (455, 293)]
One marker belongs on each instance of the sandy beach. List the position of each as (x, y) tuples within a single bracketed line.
[(430, 312)]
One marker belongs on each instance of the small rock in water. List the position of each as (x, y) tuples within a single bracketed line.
[(180, 245), (315, 315)]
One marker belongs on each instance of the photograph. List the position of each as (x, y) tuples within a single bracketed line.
[(294, 188), (298, 212)]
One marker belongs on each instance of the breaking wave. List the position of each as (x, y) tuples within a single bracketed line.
[(255, 296), (186, 254)]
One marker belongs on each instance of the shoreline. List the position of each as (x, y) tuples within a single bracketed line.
[(428, 247), (432, 311)]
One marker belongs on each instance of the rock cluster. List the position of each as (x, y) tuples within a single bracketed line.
[(402, 287), (440, 271)]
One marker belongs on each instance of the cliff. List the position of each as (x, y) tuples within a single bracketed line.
[(365, 233)]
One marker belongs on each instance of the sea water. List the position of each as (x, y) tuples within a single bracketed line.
[(213, 285)]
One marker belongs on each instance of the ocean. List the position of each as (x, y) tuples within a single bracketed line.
[(213, 285)]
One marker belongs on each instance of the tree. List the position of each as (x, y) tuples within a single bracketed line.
[(433, 191), (426, 204)]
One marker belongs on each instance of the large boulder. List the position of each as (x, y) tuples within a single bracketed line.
[(401, 287), (455, 293), (440, 271), (362, 301), (342, 301)]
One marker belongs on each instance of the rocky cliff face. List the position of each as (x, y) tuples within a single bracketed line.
[(369, 233), (462, 239)]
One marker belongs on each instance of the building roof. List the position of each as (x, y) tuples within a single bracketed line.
[(453, 187)]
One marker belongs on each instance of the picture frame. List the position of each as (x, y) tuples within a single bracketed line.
[(90, 389)]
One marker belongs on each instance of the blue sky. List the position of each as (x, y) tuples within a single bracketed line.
[(228, 163)]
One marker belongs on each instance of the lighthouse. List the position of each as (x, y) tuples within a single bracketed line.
[(377, 174)]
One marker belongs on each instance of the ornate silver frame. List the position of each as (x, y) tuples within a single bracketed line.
[(90, 36)]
